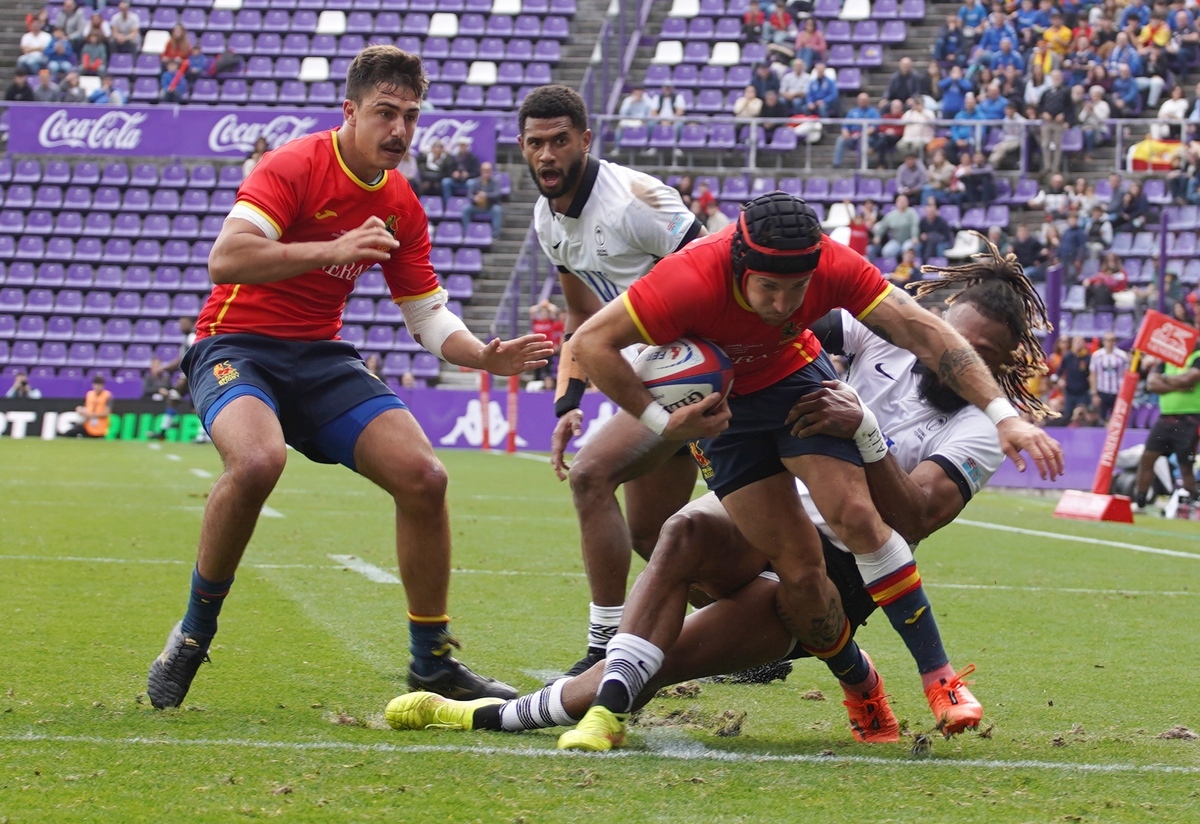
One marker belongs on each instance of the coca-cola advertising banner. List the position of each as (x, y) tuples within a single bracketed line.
[(206, 131)]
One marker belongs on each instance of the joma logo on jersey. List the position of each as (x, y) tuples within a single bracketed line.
[(224, 373)]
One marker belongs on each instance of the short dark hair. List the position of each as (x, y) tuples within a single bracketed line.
[(546, 102), (385, 66)]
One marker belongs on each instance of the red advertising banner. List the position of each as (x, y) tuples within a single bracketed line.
[(1165, 338)]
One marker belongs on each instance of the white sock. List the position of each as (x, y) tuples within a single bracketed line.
[(537, 711), (631, 662), (602, 624), (893, 555)]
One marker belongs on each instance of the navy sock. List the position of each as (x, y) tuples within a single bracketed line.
[(204, 604), (849, 665), (912, 617), (429, 642)]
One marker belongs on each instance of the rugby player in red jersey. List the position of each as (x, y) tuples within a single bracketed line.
[(753, 289), (267, 369)]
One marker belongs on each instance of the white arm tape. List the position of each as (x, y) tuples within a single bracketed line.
[(872, 446), (430, 322), (1000, 409), (655, 417), (243, 212)]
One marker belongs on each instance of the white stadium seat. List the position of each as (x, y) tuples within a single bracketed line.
[(314, 70), (443, 24), (482, 73), (331, 21), (726, 53), (155, 41), (668, 52)]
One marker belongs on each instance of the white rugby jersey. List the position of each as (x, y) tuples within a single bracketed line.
[(964, 443), (620, 223)]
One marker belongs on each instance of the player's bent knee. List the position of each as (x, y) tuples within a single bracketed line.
[(804, 582), (590, 479), (422, 484), (256, 471)]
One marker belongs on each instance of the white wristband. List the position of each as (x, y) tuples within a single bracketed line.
[(872, 446), (655, 418), (1000, 409)]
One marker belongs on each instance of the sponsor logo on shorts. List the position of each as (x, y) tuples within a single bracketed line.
[(224, 373), (702, 461)]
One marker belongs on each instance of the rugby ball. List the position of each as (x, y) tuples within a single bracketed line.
[(684, 371)]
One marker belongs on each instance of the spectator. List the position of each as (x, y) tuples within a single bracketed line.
[(33, 48), (1031, 22), (374, 365), (952, 46), (1127, 97), (1138, 10), (72, 92), (464, 166), (891, 128), (764, 80), (1035, 86), (1012, 135), (199, 65), (1099, 231), (1093, 120), (21, 389), (870, 212), (179, 46), (126, 30), (973, 16), (174, 82), (1155, 32), (685, 186), (412, 173), (1079, 62), (1031, 253), (748, 105), (1154, 76), (485, 197), (1133, 211), (977, 180), (634, 111), (94, 57), (1056, 111), (931, 86), (1110, 279), (780, 27), (911, 177), (906, 269), (714, 219), (1117, 187), (60, 54), (704, 196), (1075, 376), (156, 383), (822, 97), (853, 133), (1058, 37), (435, 165), (19, 90), (918, 127), (773, 109), (793, 86), (97, 23), (1184, 46), (938, 175), (996, 31), (1083, 198), (1072, 248), (996, 235), (903, 85), (1172, 114), (668, 106), (934, 233), (1106, 371), (256, 154), (992, 106), (896, 231), (96, 411), (107, 94), (72, 20), (47, 91), (753, 21), (954, 90), (965, 134), (860, 231), (1054, 199), (810, 43)]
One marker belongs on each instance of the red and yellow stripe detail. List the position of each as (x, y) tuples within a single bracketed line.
[(636, 320), (895, 586), (842, 640), (429, 619)]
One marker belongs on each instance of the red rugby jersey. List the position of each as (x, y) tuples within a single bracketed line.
[(692, 294), (305, 192)]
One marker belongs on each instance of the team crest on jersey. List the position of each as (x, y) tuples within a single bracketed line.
[(599, 236), (789, 332), (702, 460), (390, 225), (224, 373), (972, 471)]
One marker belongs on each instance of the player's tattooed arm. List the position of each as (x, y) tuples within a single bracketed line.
[(956, 364)]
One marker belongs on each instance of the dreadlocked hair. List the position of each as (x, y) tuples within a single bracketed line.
[(997, 287)]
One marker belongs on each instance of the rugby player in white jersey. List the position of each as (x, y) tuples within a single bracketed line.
[(942, 452), (603, 226)]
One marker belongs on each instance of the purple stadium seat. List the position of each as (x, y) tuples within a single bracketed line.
[(459, 287), (185, 304), (674, 28), (19, 197), (424, 365), (405, 342), (118, 251), (12, 299), (126, 225), (519, 49), (78, 198), (115, 174), (695, 52), (21, 274), (30, 248), (323, 93), (53, 354), (455, 72), (27, 171), (155, 304), (24, 353), (491, 48), (841, 55), (86, 173), (912, 10), (200, 253), (136, 200), (469, 97), (304, 21), (469, 261), (478, 234), (182, 227), (48, 197), (263, 92), (547, 51), (110, 355), (176, 252), (348, 45), (498, 97), (195, 201), (472, 25), (722, 136), (166, 279), (117, 330), (395, 364), (212, 42), (70, 302), (51, 275), (120, 64), (89, 250), (362, 22), (138, 356), (88, 329), (556, 28), (293, 91), (145, 89), (60, 327), (440, 95), (82, 354), (221, 202), (537, 74), (31, 327), (386, 311), (79, 276), (415, 24), (195, 279), (12, 222), (146, 253), (380, 338), (57, 173)]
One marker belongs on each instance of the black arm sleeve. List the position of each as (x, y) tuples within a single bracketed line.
[(692, 233), (829, 333)]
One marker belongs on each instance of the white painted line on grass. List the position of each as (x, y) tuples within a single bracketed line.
[(171, 456), (151, 561), (1080, 539), (696, 752), (268, 512), (154, 446), (1066, 590), (370, 571), (200, 473)]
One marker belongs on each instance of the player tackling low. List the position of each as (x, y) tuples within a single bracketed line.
[(267, 369), (603, 226), (943, 451)]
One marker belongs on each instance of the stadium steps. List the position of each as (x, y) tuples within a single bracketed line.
[(12, 26)]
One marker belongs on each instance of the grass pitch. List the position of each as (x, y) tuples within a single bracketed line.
[(1085, 648)]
